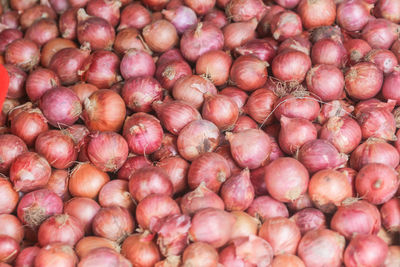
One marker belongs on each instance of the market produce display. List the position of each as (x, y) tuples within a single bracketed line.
[(200, 133)]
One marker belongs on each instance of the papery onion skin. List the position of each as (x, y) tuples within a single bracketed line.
[(106, 256), (132, 164), (40, 81), (83, 90), (390, 84), (309, 219), (311, 15), (359, 217), (215, 65), (392, 258), (160, 35), (23, 53), (326, 81), (143, 132), (129, 38), (365, 250), (209, 168), (238, 33), (168, 148), (42, 31), (282, 234), (67, 24), (104, 110), (260, 104), (12, 227), (200, 254), (109, 11), (244, 11), (286, 179), (182, 17), (287, 260), (291, 65), (83, 209), (328, 189), (243, 123), (200, 198), (89, 243), (52, 47), (265, 207), (213, 226), (11, 146), (177, 169), (260, 48), (9, 197), (136, 63), (377, 123), (352, 15), (200, 7), (249, 72), (9, 249), (245, 225), (220, 110), (328, 51), (114, 223), (390, 212), (56, 254), (285, 24), (356, 49), (216, 17), (388, 9), (26, 257), (140, 250), (377, 183), (134, 15), (318, 243), (116, 193), (380, 33), (238, 192), (17, 81), (383, 58)]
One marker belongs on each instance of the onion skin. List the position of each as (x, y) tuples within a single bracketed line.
[(67, 24), (9, 197), (135, 16), (390, 212), (285, 24), (312, 17), (238, 192), (89, 243), (238, 33), (42, 31), (132, 164), (129, 38), (379, 33), (294, 133), (265, 207), (22, 53), (356, 49), (169, 72), (389, 10), (294, 106), (377, 183), (12, 227), (282, 234), (200, 7), (365, 250), (245, 225), (104, 110), (392, 258), (291, 65), (244, 11), (136, 63), (322, 242), (390, 82), (26, 257), (213, 226), (60, 228), (220, 110), (109, 11), (215, 65), (359, 217), (260, 48), (104, 255), (287, 260), (143, 132), (377, 123), (140, 250), (116, 193), (160, 35), (168, 148), (200, 198), (52, 47), (40, 81), (200, 254), (309, 219), (86, 180), (383, 58), (17, 81), (260, 105), (203, 38), (249, 73), (325, 81), (11, 147), (114, 223), (216, 17), (30, 15), (9, 249), (177, 169), (56, 254), (328, 189), (352, 15)]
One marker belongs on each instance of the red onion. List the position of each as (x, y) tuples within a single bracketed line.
[(169, 72), (260, 48), (86, 180), (196, 138), (95, 31), (343, 132), (396, 48), (390, 212), (309, 219), (134, 15), (39, 81), (249, 72), (299, 43), (26, 257), (132, 164), (389, 10), (7, 36), (67, 62), (171, 55), (215, 65), (116, 193), (174, 115), (356, 49), (143, 133), (380, 33), (137, 63), (140, 92), (285, 24), (359, 217), (104, 110), (328, 189), (247, 251), (385, 60), (22, 5), (114, 223), (42, 31), (60, 106), (29, 171), (321, 247), (108, 10), (140, 250), (11, 147), (265, 23), (377, 122), (225, 151), (192, 88), (59, 6), (245, 225), (390, 84), (67, 24), (311, 15), (287, 260), (201, 7), (212, 226), (83, 90), (23, 53), (83, 209), (282, 234), (153, 208), (260, 105), (377, 183), (78, 3), (89, 243), (17, 80), (182, 18), (289, 4), (320, 154), (12, 227), (326, 82), (286, 179), (245, 10), (209, 168), (168, 148), (9, 197), (155, 5), (243, 123), (330, 52), (52, 47), (304, 201), (58, 183), (60, 228), (200, 198), (100, 69), (294, 133), (9, 249), (129, 38), (104, 255), (30, 15), (177, 169), (365, 250), (374, 151), (203, 38), (353, 15), (238, 192), (56, 254), (265, 207), (147, 181), (216, 17), (238, 33), (160, 35), (200, 254), (220, 110), (291, 65)]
